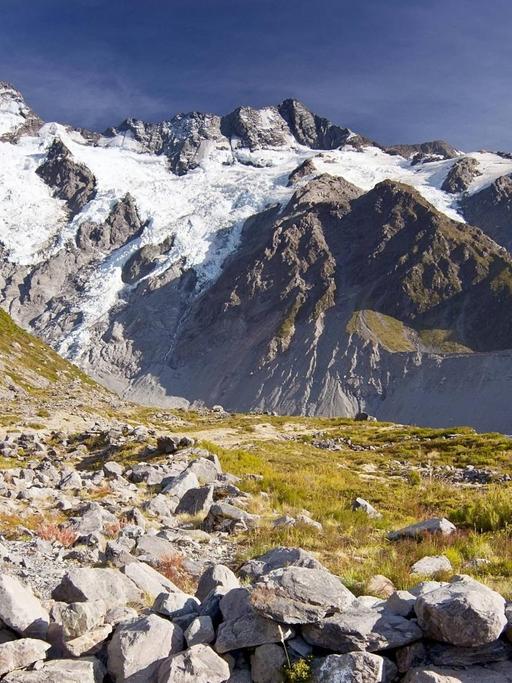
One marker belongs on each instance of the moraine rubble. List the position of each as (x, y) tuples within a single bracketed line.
[(129, 574)]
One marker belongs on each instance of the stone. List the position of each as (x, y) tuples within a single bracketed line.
[(431, 565), (249, 630), (148, 580), (380, 585), (362, 628), (200, 631), (70, 480), (159, 506), (451, 655), (353, 667), (284, 521), (176, 604), (90, 583), (18, 654), (198, 664), (167, 444), (411, 656), (216, 577), (267, 663), (227, 517), (86, 670), (277, 558), (79, 617), (115, 615), (401, 602), (205, 469), (436, 525), (495, 673), (153, 549), (139, 647), (20, 609), (196, 501), (298, 595), (112, 469), (464, 613), (362, 505), (178, 486), (89, 643), (306, 520)]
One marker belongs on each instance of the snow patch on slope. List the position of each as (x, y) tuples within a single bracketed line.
[(371, 166)]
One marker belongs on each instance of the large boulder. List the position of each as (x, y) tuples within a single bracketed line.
[(353, 667), (79, 617), (176, 488), (21, 653), (494, 673), (436, 525), (20, 609), (298, 595), (431, 565), (277, 558), (198, 664), (138, 648), (227, 517), (249, 630), (361, 628), (267, 663), (196, 501), (88, 583), (85, 670), (216, 577), (148, 580), (464, 613)]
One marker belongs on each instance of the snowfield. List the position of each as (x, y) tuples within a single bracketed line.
[(204, 209)]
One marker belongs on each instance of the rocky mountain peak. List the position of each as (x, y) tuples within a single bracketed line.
[(16, 117)]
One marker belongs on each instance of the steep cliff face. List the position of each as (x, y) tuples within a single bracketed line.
[(267, 258)]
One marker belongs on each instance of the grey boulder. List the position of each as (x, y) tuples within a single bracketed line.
[(298, 595), (198, 664), (353, 667), (21, 653), (20, 609), (464, 613), (361, 628), (138, 648)]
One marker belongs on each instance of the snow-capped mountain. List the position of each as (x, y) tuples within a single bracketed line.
[(207, 257)]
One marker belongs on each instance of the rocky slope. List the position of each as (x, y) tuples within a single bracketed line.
[(334, 273)]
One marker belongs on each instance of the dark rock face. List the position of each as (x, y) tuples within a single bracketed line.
[(145, 260), (182, 139), (121, 226), (435, 148), (305, 169), (71, 181), (314, 131), (460, 175), (491, 210)]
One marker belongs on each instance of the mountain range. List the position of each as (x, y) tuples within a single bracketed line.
[(267, 259)]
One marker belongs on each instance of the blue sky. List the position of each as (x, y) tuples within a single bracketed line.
[(395, 70)]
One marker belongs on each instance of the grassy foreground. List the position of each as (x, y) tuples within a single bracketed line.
[(398, 472)]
